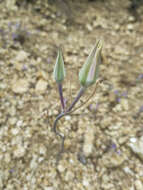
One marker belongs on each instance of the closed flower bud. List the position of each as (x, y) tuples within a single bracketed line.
[(90, 70), (59, 71)]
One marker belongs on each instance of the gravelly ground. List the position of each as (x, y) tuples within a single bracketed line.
[(108, 132)]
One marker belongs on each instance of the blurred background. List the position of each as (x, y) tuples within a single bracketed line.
[(104, 139)]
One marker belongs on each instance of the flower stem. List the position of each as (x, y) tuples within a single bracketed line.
[(59, 134), (80, 93), (60, 89)]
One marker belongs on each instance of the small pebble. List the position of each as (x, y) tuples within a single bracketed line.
[(14, 131), (19, 123), (12, 120), (20, 86), (41, 86), (48, 188), (19, 152), (130, 27), (68, 117), (131, 18), (136, 147), (138, 185), (21, 56), (85, 183), (61, 168), (133, 139)]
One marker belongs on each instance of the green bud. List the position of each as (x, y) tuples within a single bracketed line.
[(90, 70), (59, 71)]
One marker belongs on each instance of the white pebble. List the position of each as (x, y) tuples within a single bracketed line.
[(128, 170), (12, 120), (19, 123), (19, 152), (67, 117), (42, 150), (133, 139), (61, 168), (130, 27), (85, 183), (21, 56), (14, 131), (40, 159), (34, 163), (138, 185), (48, 188)]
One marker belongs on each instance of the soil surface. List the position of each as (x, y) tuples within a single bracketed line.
[(104, 139)]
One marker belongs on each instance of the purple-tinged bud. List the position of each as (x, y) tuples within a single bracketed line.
[(89, 72)]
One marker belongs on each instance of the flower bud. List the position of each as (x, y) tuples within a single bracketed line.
[(59, 71), (90, 70)]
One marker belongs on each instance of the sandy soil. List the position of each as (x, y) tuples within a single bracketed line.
[(104, 139)]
